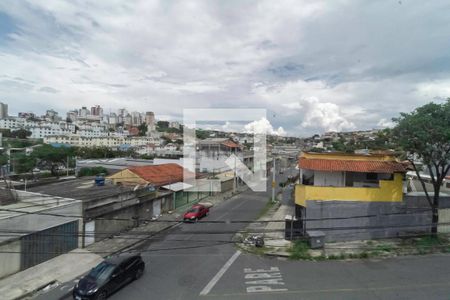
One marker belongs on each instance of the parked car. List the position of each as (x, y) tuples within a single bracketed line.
[(196, 212), (109, 276)]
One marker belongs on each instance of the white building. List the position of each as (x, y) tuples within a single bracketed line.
[(104, 141)]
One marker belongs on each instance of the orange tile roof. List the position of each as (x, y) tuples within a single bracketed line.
[(230, 144), (351, 165), (161, 174)]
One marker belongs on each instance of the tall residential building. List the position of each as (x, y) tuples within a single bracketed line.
[(136, 118), (122, 112), (150, 120), (3, 110), (97, 111), (83, 112)]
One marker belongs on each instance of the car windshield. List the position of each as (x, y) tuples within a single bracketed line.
[(193, 210), (101, 272)]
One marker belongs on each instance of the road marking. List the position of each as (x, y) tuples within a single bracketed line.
[(266, 280), (219, 274)]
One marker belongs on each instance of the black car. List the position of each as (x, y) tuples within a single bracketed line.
[(109, 276)]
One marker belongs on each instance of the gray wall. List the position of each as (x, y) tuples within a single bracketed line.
[(369, 220)]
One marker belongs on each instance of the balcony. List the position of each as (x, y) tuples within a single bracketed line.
[(387, 191)]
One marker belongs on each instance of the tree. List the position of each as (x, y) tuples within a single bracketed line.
[(20, 133), (142, 129), (22, 163), (424, 135), (162, 124), (49, 157)]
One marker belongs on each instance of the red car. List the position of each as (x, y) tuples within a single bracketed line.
[(196, 212)]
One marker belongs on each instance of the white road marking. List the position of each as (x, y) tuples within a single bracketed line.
[(219, 274), (266, 281)]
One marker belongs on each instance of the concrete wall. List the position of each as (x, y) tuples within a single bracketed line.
[(140, 210), (352, 220), (9, 262), (322, 178), (444, 217), (388, 191)]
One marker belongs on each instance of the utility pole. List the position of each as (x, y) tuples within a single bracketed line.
[(234, 181), (273, 178)]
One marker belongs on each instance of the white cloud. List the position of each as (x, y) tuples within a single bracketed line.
[(311, 68), (263, 126), (383, 123)]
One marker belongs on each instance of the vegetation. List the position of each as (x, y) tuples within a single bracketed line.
[(201, 134), (300, 250), (92, 171), (51, 158), (424, 135), (142, 129)]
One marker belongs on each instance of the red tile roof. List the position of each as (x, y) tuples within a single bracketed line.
[(161, 174), (351, 165), (230, 144)]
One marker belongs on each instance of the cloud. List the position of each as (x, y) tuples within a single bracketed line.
[(311, 68), (383, 123), (47, 89), (263, 126)]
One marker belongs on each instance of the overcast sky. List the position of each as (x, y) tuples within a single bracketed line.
[(314, 65)]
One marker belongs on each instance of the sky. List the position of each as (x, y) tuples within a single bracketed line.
[(316, 66)]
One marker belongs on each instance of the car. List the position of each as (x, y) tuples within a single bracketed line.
[(196, 212), (109, 276)]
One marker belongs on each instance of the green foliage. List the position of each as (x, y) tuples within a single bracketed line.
[(424, 134), (300, 250), (20, 133), (201, 134), (3, 159), (146, 156), (49, 157), (92, 171), (162, 125), (22, 163), (17, 143), (5, 132), (142, 129)]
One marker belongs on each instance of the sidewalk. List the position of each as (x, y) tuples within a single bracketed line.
[(67, 267), (24, 283)]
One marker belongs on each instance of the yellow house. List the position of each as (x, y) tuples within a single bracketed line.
[(349, 177)]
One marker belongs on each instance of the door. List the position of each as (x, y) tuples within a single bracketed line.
[(89, 233), (156, 207)]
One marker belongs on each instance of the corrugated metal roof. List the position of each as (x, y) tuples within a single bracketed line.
[(163, 174), (331, 165), (177, 186)]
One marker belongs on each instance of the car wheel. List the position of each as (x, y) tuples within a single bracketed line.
[(102, 295), (139, 273)]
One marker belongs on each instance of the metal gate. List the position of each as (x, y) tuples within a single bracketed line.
[(44, 245)]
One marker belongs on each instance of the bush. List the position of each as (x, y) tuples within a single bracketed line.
[(300, 250), (92, 171)]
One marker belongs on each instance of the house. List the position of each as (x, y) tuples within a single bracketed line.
[(169, 177), (36, 228), (156, 175), (212, 153), (355, 196)]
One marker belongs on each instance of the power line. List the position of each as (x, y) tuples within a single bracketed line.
[(206, 221)]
